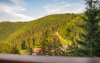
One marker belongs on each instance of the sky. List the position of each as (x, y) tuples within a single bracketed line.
[(26, 10)]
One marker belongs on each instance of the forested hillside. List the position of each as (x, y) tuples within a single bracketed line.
[(37, 33), (7, 28), (56, 34)]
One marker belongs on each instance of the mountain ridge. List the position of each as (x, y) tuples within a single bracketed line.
[(36, 32)]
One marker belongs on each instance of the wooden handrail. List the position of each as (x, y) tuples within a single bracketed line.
[(12, 58)]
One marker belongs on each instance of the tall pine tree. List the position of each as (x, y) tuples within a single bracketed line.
[(89, 43)]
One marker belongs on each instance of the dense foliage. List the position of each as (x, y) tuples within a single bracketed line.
[(89, 43), (7, 28), (87, 40), (43, 33)]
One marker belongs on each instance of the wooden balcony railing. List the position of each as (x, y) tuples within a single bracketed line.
[(11, 58)]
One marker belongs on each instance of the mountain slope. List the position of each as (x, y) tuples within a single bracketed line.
[(39, 33), (7, 28), (45, 21)]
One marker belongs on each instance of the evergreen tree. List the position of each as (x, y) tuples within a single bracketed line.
[(88, 45)]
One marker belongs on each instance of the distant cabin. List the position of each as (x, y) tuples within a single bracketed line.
[(37, 51)]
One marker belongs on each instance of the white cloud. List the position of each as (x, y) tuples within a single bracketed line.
[(18, 2), (18, 12), (14, 10), (63, 7), (21, 15)]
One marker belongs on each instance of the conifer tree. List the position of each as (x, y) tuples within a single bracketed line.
[(88, 45)]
